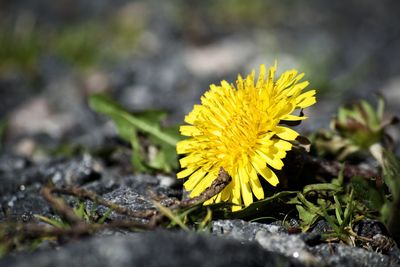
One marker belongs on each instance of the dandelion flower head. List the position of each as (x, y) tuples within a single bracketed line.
[(237, 127)]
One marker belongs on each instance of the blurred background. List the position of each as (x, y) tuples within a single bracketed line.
[(164, 54)]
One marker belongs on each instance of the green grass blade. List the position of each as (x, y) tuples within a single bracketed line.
[(107, 106)]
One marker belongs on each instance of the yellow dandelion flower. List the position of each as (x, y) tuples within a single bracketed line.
[(237, 128)]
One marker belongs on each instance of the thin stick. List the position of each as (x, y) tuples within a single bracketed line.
[(86, 194), (59, 206), (215, 188), (33, 231)]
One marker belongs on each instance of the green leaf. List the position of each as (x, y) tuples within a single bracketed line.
[(107, 106), (165, 159), (339, 180), (148, 122), (391, 173), (380, 108), (3, 126), (54, 222), (307, 217), (309, 205), (207, 219), (170, 215), (137, 157), (372, 117), (368, 193), (342, 115), (105, 216), (331, 221), (391, 208), (348, 212), (338, 209), (154, 117), (322, 187), (80, 211), (269, 204)]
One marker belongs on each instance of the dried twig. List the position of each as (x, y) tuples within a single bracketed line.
[(215, 188), (33, 231), (59, 206), (86, 194), (78, 227)]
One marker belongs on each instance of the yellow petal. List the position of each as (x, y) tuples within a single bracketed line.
[(208, 202), (294, 118), (192, 116), (275, 163), (190, 159), (204, 183), (307, 102), (218, 198), (184, 173), (283, 145), (286, 133), (266, 173), (297, 88), (238, 204), (256, 187), (306, 99), (236, 186), (247, 196), (194, 179), (226, 193), (261, 77), (185, 146), (189, 130)]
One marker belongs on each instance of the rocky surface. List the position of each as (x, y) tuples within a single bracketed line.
[(275, 238), (240, 242), (159, 248), (268, 243)]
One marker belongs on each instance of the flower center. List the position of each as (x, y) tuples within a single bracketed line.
[(239, 137)]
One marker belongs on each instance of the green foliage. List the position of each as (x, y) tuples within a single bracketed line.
[(269, 206), (19, 48), (82, 44), (194, 218), (339, 203), (3, 127), (372, 196), (81, 211), (391, 206), (132, 126), (354, 130), (176, 218), (361, 123), (56, 221)]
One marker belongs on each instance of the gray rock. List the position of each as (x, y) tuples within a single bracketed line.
[(342, 255), (127, 198), (23, 205), (370, 228), (272, 238), (302, 246), (242, 230), (158, 248), (77, 171), (321, 227), (289, 245), (159, 184), (14, 90), (20, 195), (10, 163)]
